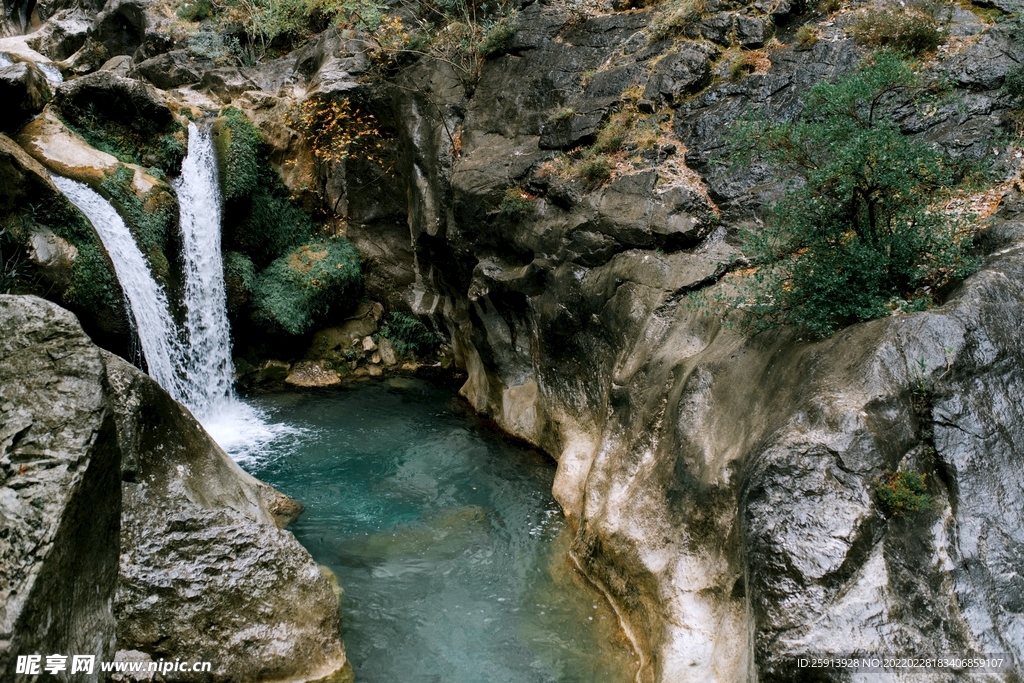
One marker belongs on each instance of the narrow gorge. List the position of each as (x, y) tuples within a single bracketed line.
[(573, 212)]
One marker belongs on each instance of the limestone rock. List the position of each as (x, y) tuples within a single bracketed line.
[(121, 26), (60, 492), (64, 152), (388, 355), (678, 74), (312, 374), (53, 255), (205, 569), (63, 34), (24, 91)]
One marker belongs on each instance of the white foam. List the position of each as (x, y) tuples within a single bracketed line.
[(245, 432)]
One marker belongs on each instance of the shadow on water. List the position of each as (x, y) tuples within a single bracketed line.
[(450, 553)]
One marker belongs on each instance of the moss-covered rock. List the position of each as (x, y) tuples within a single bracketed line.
[(299, 289)]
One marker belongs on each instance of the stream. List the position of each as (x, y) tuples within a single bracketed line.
[(445, 538)]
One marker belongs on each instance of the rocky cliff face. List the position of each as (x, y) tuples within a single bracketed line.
[(723, 488), (126, 527)]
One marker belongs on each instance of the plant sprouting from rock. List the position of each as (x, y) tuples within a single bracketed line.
[(860, 232), (903, 492)]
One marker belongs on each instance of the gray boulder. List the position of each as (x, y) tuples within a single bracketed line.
[(24, 91), (116, 504), (60, 490), (205, 567), (62, 35), (172, 69)]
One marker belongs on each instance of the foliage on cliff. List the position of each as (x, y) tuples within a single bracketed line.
[(276, 263), (860, 231), (302, 287), (260, 218)]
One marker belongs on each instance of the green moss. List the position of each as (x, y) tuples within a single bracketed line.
[(409, 335), (93, 283), (903, 492), (299, 289), (150, 222), (146, 146), (261, 220)]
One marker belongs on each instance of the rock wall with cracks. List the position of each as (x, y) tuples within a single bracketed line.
[(722, 488)]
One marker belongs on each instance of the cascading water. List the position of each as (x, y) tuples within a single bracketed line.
[(195, 367), (208, 365), (147, 301), (237, 427)]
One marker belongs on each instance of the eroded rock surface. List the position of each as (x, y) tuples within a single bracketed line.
[(106, 483), (60, 489)]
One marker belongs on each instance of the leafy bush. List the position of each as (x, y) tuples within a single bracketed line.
[(515, 204), (238, 144), (336, 128), (298, 290), (409, 335), (1014, 85), (907, 30), (903, 492), (855, 236)]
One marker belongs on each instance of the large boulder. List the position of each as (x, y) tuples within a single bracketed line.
[(107, 97), (206, 570), (24, 91), (172, 69), (115, 503), (60, 489)]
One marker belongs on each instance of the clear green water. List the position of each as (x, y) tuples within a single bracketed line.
[(445, 538)]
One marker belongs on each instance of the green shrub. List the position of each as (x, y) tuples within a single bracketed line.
[(905, 30), (564, 114), (298, 290), (675, 18), (1014, 86), (807, 36), (238, 144), (854, 237), (409, 335), (903, 492), (515, 204), (594, 168)]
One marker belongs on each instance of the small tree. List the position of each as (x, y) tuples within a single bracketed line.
[(858, 233)]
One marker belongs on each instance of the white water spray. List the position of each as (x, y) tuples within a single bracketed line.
[(146, 299)]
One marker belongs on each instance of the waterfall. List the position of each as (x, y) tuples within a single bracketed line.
[(147, 301), (208, 363), (240, 429), (194, 366)]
